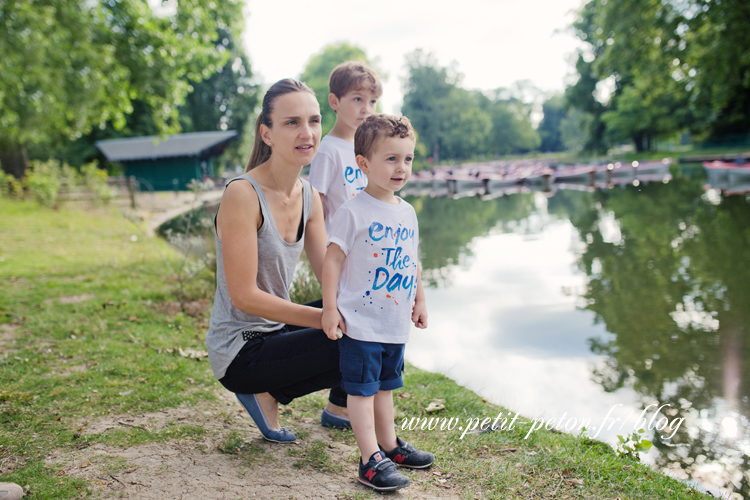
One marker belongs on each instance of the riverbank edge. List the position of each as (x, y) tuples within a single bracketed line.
[(107, 306)]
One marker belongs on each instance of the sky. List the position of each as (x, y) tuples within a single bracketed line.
[(493, 42)]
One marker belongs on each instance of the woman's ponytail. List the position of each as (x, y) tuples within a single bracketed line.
[(261, 150)]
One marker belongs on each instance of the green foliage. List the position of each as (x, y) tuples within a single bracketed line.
[(550, 131), (10, 186), (225, 100), (318, 69), (426, 95), (48, 181), (674, 66), (584, 128), (455, 123), (44, 180), (305, 286), (72, 65), (631, 446), (94, 183)]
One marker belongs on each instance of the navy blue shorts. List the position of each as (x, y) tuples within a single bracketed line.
[(369, 367)]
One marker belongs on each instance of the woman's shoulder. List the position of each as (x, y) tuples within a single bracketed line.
[(240, 188), (239, 198)]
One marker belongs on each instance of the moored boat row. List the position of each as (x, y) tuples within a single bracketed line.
[(729, 177), (497, 177)]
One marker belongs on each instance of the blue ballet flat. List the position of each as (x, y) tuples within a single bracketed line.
[(250, 403), (328, 419)]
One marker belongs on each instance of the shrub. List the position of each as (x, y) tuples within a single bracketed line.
[(44, 180), (10, 186), (94, 181)]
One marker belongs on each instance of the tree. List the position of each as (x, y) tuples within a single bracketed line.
[(549, 128), (225, 100), (427, 91), (318, 70), (718, 57), (71, 65), (512, 130), (676, 65), (585, 110)]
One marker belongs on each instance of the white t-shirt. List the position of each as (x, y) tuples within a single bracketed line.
[(379, 276), (335, 174)]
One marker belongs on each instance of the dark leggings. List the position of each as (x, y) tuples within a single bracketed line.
[(288, 364)]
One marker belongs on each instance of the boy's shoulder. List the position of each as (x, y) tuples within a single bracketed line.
[(331, 147), (331, 141)]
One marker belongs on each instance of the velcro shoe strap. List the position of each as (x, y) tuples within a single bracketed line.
[(383, 463)]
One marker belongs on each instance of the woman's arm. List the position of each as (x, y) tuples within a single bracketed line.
[(316, 237), (237, 225), (332, 319)]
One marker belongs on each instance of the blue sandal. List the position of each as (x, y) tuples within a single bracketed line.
[(250, 403)]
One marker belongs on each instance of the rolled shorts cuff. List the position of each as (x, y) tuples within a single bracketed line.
[(354, 389), (372, 388), (394, 383)]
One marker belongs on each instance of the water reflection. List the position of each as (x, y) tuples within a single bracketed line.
[(600, 303)]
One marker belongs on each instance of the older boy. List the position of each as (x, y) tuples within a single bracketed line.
[(372, 290), (354, 92)]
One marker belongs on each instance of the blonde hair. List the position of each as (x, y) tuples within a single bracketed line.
[(377, 127), (261, 150)]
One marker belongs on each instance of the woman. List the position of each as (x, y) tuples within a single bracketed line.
[(263, 347)]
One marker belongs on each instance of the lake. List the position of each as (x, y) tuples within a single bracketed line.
[(612, 308), (623, 308)]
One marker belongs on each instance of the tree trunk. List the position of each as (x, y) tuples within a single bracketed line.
[(436, 151), (639, 139), (13, 157)]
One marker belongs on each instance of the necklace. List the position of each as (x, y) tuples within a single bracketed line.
[(278, 190)]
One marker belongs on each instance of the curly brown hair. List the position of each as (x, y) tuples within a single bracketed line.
[(377, 127)]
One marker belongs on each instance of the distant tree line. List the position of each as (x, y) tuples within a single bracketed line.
[(77, 71)]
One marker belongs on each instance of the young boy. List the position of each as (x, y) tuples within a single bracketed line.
[(371, 290), (354, 92)]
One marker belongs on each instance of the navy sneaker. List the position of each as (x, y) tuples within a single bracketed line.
[(406, 455), (380, 474)]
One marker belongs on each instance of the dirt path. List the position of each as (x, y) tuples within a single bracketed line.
[(196, 468)]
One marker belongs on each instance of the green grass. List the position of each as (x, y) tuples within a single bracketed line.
[(96, 332), (506, 464), (89, 329)]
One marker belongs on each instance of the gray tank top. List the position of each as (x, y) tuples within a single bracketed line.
[(277, 261)]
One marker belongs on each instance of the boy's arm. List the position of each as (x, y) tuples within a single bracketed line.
[(323, 203), (331, 275), (315, 238), (419, 311)]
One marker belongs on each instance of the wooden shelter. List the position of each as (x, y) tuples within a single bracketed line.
[(167, 163)]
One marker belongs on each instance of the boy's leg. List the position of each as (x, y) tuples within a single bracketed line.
[(383, 413), (361, 415)]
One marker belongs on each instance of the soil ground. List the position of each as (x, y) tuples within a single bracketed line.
[(196, 468)]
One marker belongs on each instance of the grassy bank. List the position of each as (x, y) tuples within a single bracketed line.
[(90, 328)]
